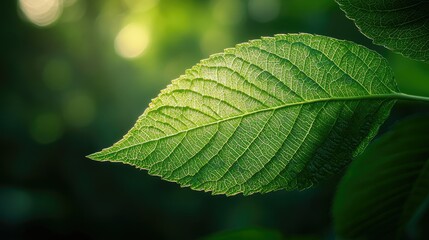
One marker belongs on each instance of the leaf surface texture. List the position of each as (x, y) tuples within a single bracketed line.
[(276, 113), (399, 25)]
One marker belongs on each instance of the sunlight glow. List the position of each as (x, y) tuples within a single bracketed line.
[(131, 41), (41, 12)]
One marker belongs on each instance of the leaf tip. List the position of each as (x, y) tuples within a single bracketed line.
[(97, 156)]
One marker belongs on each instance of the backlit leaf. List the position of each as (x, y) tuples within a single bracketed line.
[(281, 112)]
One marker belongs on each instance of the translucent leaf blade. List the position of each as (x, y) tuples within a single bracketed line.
[(276, 113)]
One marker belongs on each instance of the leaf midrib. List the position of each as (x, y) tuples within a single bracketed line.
[(393, 95)]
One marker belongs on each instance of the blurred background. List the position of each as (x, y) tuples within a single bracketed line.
[(76, 74)]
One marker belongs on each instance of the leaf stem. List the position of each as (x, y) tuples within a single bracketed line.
[(408, 97)]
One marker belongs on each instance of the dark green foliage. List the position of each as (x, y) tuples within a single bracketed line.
[(399, 25), (387, 186)]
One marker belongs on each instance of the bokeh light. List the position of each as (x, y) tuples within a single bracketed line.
[(132, 40), (41, 12), (264, 10)]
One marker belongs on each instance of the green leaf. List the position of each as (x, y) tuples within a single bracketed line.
[(399, 25), (385, 187), (281, 112)]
